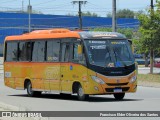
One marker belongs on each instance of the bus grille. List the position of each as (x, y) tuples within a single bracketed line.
[(116, 84), (124, 89)]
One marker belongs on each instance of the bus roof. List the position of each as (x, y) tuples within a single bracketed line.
[(94, 35), (65, 33), (45, 34)]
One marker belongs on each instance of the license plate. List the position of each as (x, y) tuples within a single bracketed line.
[(117, 90)]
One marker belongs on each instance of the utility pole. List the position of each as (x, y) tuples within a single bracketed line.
[(80, 12), (152, 50), (29, 16), (114, 20), (152, 6)]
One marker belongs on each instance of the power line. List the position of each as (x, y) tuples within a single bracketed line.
[(80, 12), (57, 6), (46, 2), (8, 1)]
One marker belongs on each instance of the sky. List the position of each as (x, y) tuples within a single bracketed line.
[(64, 7)]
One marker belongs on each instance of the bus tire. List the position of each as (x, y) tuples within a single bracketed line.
[(30, 92), (119, 96), (80, 94)]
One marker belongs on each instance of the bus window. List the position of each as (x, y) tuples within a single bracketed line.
[(65, 52), (53, 48), (76, 57), (11, 51), (38, 53), (24, 51)]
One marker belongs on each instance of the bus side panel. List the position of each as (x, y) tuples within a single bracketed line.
[(52, 77), (17, 73), (66, 77), (19, 83), (37, 76), (79, 73), (70, 73), (23, 71), (38, 84), (45, 76), (9, 78), (10, 82)]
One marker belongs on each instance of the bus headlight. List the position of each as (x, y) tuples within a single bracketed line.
[(98, 80), (133, 79)]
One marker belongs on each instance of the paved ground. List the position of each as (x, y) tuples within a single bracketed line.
[(146, 70)]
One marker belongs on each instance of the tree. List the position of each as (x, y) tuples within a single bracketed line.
[(70, 14), (124, 13), (109, 15), (36, 12), (137, 13), (85, 14), (150, 33), (90, 14)]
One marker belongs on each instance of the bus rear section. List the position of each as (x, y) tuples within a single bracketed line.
[(70, 62)]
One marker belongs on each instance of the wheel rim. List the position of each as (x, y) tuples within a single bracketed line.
[(80, 92), (30, 89)]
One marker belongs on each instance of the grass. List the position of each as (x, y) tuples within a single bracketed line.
[(149, 78)]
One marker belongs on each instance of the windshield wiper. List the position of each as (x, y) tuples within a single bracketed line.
[(119, 58)]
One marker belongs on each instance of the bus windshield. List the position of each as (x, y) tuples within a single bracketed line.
[(109, 53)]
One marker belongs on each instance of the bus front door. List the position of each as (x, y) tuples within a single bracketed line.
[(52, 80), (66, 68)]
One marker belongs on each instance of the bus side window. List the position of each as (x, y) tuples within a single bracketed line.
[(53, 48), (65, 52), (11, 51), (24, 51), (38, 52), (76, 57)]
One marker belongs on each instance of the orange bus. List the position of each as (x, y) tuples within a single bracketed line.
[(70, 62)]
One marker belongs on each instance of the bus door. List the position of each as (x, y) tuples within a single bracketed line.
[(52, 80), (66, 66)]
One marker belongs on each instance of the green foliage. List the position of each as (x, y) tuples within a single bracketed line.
[(124, 13), (109, 15), (149, 29), (36, 12), (70, 14), (149, 33), (85, 14), (90, 14)]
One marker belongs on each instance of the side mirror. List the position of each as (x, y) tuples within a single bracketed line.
[(79, 49), (131, 45)]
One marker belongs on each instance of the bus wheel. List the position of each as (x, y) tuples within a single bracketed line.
[(119, 96), (80, 93), (30, 92)]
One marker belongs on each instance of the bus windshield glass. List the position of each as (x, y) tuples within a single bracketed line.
[(109, 53)]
